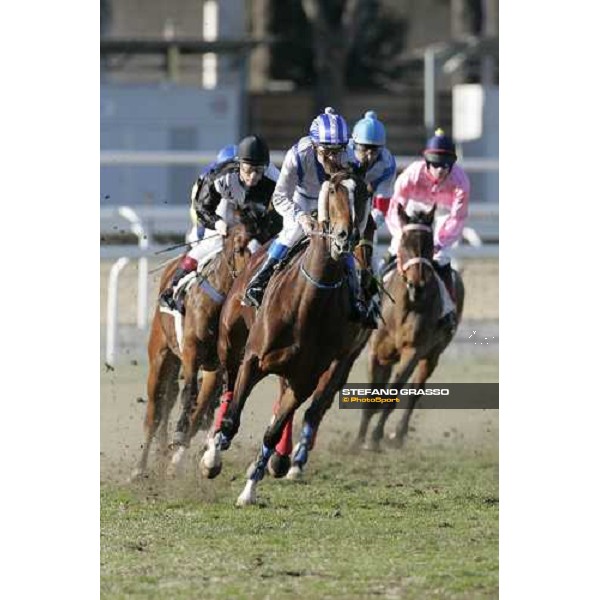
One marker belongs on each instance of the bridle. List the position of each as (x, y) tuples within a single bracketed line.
[(403, 267), (332, 239)]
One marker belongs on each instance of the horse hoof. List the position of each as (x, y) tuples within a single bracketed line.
[(138, 474), (278, 465), (248, 496), (395, 441), (178, 439), (371, 447), (210, 472), (295, 473)]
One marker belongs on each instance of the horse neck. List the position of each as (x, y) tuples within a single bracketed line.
[(318, 262), (222, 273)]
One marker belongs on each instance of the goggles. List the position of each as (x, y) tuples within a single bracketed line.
[(362, 148), (439, 165), (248, 169), (330, 149)]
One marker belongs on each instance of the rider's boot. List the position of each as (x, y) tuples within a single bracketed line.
[(358, 310), (185, 267), (255, 290)]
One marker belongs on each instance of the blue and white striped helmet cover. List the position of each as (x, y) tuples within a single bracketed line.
[(329, 128)]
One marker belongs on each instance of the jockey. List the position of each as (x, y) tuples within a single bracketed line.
[(434, 180), (378, 166), (369, 154), (226, 154), (307, 165), (250, 177)]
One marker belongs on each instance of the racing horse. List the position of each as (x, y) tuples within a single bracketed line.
[(301, 328), (412, 337), (195, 347), (284, 461)]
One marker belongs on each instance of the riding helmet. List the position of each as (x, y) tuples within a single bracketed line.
[(329, 128), (440, 149), (226, 153), (253, 150), (369, 130)]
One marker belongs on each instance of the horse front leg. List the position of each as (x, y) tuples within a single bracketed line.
[(280, 461), (329, 383), (288, 405), (378, 375), (423, 371), (408, 362), (228, 420)]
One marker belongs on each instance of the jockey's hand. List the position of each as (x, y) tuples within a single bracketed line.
[(378, 217), (306, 222), (221, 227)]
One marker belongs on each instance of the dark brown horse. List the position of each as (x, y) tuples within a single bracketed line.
[(411, 337), (196, 348), (302, 327)]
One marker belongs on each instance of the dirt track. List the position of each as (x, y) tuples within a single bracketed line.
[(123, 390)]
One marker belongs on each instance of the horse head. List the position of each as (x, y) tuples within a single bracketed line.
[(415, 254), (343, 211)]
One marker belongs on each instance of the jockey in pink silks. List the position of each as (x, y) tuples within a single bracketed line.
[(434, 180)]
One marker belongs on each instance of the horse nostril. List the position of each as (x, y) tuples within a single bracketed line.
[(343, 235)]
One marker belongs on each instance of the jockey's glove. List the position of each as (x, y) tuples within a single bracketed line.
[(221, 227), (306, 222)]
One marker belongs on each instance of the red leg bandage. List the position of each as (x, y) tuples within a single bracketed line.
[(225, 400)]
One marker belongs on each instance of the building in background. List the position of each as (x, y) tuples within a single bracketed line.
[(195, 75)]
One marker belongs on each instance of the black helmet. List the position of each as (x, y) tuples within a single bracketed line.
[(253, 150)]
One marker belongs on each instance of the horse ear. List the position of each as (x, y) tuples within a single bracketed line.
[(402, 214), (431, 214)]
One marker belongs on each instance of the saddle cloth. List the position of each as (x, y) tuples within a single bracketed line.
[(184, 284)]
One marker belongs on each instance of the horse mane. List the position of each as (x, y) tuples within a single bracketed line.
[(419, 217)]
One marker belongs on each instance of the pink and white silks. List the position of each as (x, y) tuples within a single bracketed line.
[(416, 188)]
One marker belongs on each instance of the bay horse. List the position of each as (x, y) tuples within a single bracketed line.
[(291, 463), (197, 348), (301, 328), (411, 338)]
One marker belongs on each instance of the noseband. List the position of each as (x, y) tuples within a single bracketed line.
[(417, 259)]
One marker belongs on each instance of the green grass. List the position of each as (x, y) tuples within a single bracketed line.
[(421, 523)]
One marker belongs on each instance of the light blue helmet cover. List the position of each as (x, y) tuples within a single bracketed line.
[(329, 128), (369, 130)]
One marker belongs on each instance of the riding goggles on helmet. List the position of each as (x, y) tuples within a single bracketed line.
[(440, 164), (330, 149)]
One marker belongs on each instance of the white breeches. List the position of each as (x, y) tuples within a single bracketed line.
[(211, 244), (292, 231)]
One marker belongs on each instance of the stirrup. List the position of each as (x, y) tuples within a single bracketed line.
[(167, 300)]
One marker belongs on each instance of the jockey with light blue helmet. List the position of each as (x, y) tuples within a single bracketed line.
[(307, 165), (368, 152)]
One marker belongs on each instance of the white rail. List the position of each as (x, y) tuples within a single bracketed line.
[(142, 298), (156, 158), (112, 308)]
